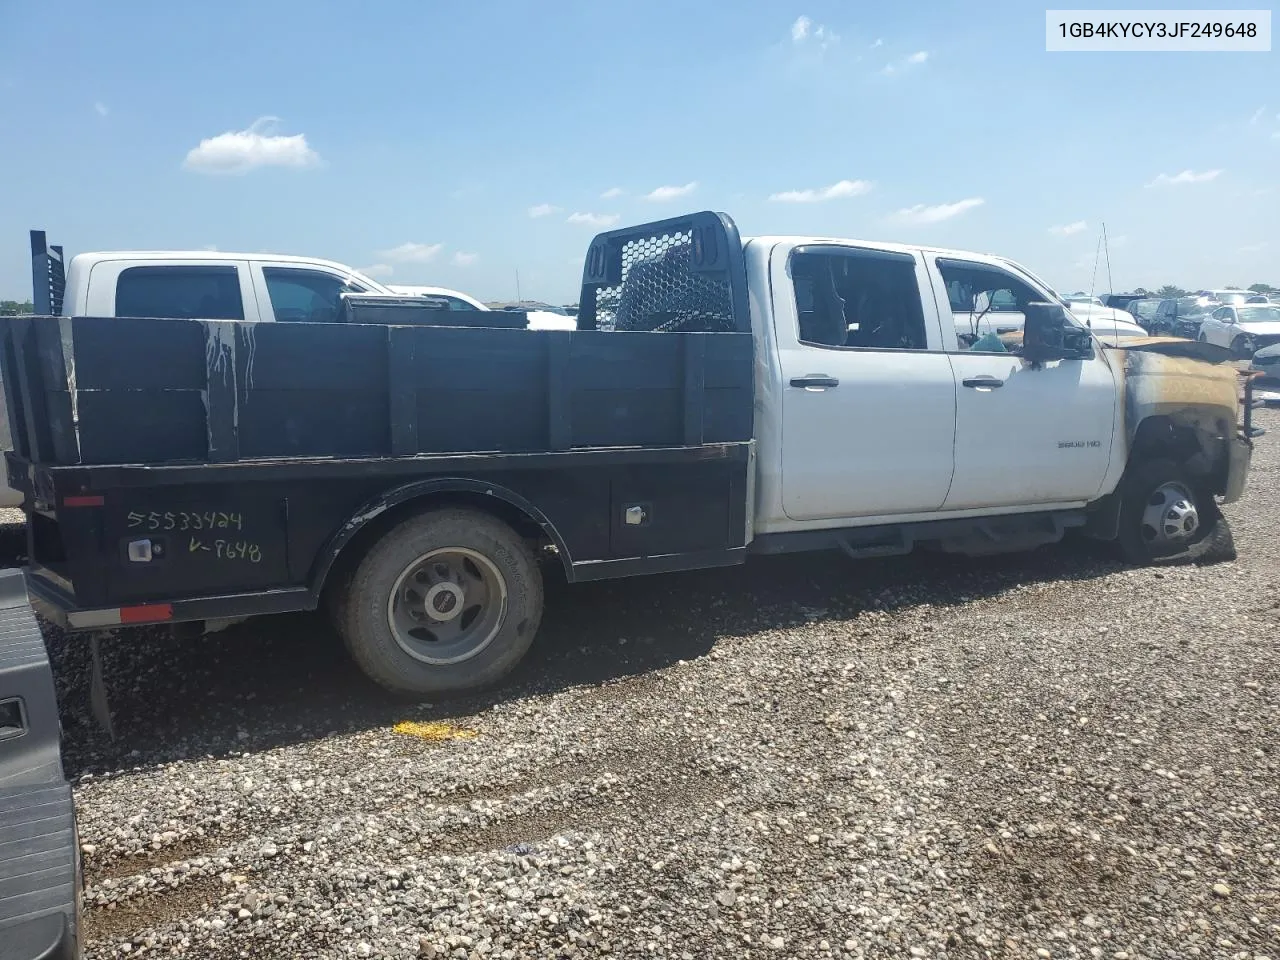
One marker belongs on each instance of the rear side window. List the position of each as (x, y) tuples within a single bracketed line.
[(850, 298), (204, 293)]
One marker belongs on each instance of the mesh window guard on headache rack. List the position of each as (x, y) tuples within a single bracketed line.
[(659, 290)]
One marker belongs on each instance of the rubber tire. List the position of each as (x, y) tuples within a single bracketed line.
[(1212, 543), (362, 611), (1237, 351)]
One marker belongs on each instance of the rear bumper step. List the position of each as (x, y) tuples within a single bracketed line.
[(39, 853)]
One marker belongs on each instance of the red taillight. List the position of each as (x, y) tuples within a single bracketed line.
[(83, 501), (146, 613)]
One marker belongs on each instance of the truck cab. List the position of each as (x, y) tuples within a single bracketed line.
[(209, 285), (883, 412)]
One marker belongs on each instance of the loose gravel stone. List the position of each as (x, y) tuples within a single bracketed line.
[(1045, 755)]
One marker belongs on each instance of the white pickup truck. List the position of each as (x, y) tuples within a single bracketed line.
[(720, 397)]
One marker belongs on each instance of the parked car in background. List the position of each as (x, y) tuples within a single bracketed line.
[(1267, 362), (977, 309), (1224, 296), (1144, 311), (453, 299), (1107, 322), (1244, 328), (1181, 317), (1121, 301)]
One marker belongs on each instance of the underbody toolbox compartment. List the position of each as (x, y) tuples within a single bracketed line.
[(39, 857)]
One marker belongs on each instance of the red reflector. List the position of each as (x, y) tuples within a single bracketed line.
[(146, 613), (82, 501)]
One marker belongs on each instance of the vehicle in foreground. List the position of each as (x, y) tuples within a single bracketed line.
[(39, 854), (719, 398), (1243, 328)]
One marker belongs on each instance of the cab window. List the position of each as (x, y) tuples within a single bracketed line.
[(306, 296), (185, 292), (855, 299)]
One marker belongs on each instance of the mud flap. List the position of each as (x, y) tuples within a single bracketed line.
[(39, 856)]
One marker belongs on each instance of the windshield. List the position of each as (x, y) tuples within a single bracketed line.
[(1258, 314), (1077, 300), (1230, 296)]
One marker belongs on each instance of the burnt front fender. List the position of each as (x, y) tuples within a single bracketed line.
[(1182, 407)]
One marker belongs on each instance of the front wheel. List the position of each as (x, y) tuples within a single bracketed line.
[(1164, 514), (1242, 347), (446, 602)]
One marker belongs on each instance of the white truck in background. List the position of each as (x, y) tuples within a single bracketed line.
[(213, 285)]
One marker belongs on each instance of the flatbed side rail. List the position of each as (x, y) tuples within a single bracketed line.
[(222, 391)]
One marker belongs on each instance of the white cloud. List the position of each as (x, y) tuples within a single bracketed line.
[(377, 271), (662, 194), (1257, 116), (412, 252), (239, 151), (937, 213), (543, 210), (1068, 229), (461, 259), (593, 219), (100, 108), (879, 43), (611, 193), (1276, 135), (805, 31), (915, 59), (1252, 247), (837, 191), (1186, 176), (212, 247)]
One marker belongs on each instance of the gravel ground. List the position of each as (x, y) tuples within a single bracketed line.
[(1045, 755)]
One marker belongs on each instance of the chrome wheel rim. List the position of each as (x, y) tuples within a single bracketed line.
[(1170, 516), (447, 606)]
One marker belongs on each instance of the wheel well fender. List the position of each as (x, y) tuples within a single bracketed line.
[(1185, 440), (380, 514)]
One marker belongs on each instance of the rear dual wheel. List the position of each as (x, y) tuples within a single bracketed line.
[(445, 602)]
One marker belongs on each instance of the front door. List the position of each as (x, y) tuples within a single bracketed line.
[(1023, 436), (868, 399)]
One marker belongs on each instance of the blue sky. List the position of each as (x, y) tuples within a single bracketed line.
[(420, 137)]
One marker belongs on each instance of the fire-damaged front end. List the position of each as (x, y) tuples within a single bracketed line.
[(1184, 401)]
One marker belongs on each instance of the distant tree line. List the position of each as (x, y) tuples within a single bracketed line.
[(1170, 292), (12, 308)]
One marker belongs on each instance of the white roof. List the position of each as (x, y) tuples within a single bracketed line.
[(885, 246)]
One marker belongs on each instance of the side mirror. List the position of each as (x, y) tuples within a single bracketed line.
[(1045, 333)]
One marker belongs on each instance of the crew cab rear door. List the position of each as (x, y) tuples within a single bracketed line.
[(867, 395), (189, 289)]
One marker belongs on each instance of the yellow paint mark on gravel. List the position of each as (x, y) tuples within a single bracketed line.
[(433, 731)]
